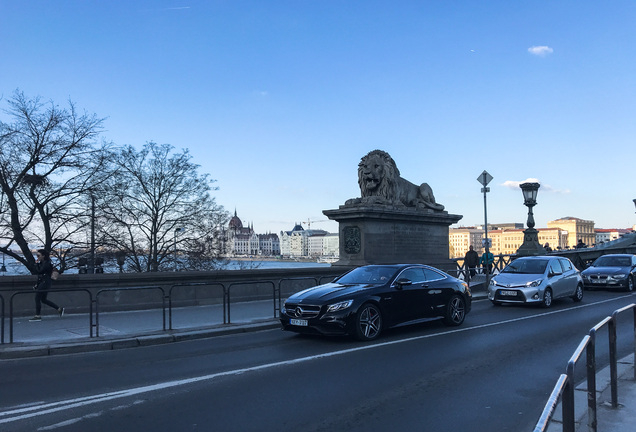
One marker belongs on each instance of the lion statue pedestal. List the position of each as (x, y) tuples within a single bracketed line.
[(394, 221)]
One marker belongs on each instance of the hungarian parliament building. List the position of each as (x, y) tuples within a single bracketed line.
[(299, 242)]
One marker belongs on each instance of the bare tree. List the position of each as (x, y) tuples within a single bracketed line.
[(49, 159), (158, 205)]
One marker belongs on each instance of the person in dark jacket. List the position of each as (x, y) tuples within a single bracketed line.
[(44, 268), (471, 261)]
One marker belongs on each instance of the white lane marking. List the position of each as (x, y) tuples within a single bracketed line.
[(48, 408)]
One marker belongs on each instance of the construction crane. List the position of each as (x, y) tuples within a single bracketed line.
[(309, 222)]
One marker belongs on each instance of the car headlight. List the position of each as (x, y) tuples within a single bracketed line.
[(619, 276), (339, 306), (534, 283), (493, 282)]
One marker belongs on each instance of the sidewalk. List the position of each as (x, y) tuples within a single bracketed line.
[(609, 419), (71, 333)]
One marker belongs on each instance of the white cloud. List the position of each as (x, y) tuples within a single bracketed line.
[(541, 51), (514, 184)]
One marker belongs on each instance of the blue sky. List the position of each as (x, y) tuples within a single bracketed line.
[(279, 100)]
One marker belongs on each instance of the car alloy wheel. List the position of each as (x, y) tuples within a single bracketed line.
[(630, 284), (547, 298), (578, 294), (368, 322), (455, 311)]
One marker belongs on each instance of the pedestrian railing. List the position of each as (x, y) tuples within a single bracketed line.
[(31, 292), (462, 272), (564, 388), (197, 284), (140, 288), (259, 282), (277, 295), (96, 304)]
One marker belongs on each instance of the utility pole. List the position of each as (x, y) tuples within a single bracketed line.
[(485, 178), (91, 265)]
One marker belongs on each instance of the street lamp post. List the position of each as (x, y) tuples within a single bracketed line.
[(485, 178), (531, 245), (176, 262)]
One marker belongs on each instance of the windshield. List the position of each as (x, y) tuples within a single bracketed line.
[(368, 274), (526, 266), (609, 261)]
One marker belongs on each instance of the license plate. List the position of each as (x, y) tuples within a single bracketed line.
[(598, 281), (508, 293), (298, 322)]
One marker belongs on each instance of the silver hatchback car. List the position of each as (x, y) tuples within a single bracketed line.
[(537, 279)]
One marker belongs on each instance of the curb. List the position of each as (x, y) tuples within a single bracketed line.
[(92, 345)]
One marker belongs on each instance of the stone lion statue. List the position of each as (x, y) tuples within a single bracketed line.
[(380, 183)]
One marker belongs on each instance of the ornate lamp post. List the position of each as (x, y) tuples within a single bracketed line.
[(531, 245)]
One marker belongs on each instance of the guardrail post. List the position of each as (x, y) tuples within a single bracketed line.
[(96, 315), (633, 306), (91, 303), (591, 382), (277, 297), (163, 304), (567, 402), (613, 360), (228, 306), (2, 325)]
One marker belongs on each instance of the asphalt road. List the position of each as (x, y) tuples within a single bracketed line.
[(494, 373)]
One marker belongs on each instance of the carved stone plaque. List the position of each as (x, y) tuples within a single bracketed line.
[(352, 240)]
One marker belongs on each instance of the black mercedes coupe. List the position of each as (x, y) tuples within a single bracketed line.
[(368, 299)]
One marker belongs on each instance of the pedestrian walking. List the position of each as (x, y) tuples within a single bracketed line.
[(471, 261), (487, 260), (44, 268)]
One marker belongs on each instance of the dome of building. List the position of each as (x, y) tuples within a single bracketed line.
[(235, 223)]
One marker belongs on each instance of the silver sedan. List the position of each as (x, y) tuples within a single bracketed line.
[(538, 279)]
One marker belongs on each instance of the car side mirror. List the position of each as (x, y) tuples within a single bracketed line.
[(402, 282)]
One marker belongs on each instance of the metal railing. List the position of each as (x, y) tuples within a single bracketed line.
[(564, 388), (233, 284), (280, 283), (95, 305), (140, 288), (462, 272), (31, 292), (197, 284)]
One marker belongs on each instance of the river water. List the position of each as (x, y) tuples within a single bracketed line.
[(14, 268)]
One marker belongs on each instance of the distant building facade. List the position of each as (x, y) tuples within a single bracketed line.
[(460, 240), (300, 242), (606, 235), (243, 241), (503, 241), (578, 229)]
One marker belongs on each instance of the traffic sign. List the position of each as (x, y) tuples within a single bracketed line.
[(484, 178)]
